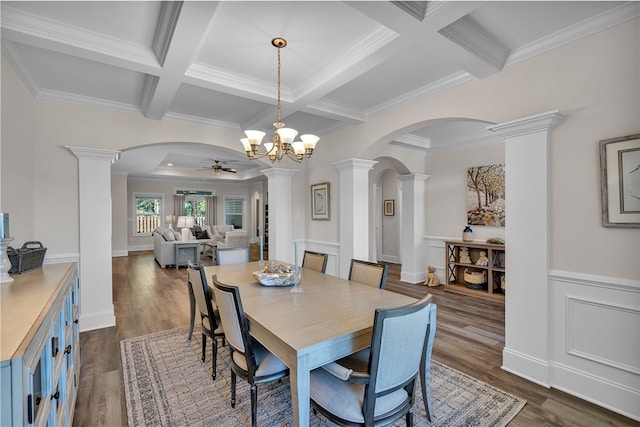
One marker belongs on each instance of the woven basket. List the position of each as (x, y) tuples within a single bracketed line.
[(27, 258), (475, 277)]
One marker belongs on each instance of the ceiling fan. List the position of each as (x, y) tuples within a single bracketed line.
[(217, 168)]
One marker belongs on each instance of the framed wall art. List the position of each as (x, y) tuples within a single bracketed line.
[(320, 207), (620, 181), (389, 207), (486, 195)]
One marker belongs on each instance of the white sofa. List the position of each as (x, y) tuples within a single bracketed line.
[(219, 231), (164, 240), (164, 251), (234, 239)]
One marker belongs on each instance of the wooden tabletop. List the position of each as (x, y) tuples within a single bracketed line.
[(25, 302)]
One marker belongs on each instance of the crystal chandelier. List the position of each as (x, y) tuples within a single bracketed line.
[(282, 141)]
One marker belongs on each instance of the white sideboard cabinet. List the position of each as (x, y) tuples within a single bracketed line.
[(40, 364)]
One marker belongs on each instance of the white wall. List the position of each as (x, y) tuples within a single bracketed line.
[(119, 206), (17, 159)]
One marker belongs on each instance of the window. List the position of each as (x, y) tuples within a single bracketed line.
[(195, 205), (234, 211), (148, 213)]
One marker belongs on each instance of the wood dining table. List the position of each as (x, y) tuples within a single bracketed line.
[(330, 319)]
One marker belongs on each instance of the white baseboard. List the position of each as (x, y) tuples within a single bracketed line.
[(120, 253), (140, 248), (390, 258), (522, 365), (601, 391), (99, 320)]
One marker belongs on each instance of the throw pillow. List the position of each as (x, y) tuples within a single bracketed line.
[(177, 236), (168, 235), (202, 235), (195, 230)]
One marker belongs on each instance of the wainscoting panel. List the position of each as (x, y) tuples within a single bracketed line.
[(594, 332), (594, 327)]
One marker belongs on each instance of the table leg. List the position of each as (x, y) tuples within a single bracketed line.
[(300, 379)]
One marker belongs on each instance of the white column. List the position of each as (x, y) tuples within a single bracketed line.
[(526, 351), (413, 220), (280, 233), (354, 211), (94, 189)]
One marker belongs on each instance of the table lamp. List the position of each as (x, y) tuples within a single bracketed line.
[(185, 223)]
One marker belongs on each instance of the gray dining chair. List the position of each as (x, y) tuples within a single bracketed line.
[(209, 316), (315, 261), (385, 391), (232, 255), (250, 360), (369, 273), (358, 361)]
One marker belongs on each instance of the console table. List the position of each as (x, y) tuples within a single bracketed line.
[(494, 269), (187, 251), (40, 352)]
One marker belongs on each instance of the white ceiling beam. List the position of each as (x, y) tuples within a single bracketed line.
[(190, 24), (427, 34)]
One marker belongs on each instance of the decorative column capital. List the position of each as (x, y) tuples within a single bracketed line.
[(527, 125), (413, 177), (94, 153), (274, 172), (354, 164)]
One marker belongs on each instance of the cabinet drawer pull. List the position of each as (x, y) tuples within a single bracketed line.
[(67, 349), (56, 395)]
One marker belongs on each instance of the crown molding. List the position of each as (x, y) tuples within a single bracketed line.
[(40, 32), (625, 12), (87, 101), (420, 93)]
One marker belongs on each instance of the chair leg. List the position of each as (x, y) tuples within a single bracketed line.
[(233, 389), (409, 418), (214, 357), (192, 308), (254, 405), (204, 345)]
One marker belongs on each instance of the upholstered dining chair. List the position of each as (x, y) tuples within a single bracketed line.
[(232, 255), (209, 317), (358, 361), (369, 273), (315, 261), (250, 360), (385, 391)]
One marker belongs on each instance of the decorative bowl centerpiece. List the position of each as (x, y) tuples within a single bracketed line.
[(276, 274)]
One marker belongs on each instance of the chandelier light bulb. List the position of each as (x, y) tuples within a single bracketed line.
[(287, 135), (254, 136)]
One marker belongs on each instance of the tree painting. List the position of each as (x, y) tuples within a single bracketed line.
[(485, 195)]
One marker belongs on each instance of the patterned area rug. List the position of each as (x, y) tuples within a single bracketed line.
[(166, 384)]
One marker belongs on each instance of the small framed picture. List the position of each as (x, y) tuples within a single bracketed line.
[(620, 181), (320, 208), (389, 207)]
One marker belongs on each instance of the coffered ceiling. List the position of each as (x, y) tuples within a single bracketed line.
[(213, 63)]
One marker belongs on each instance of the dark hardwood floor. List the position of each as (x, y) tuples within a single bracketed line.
[(469, 337)]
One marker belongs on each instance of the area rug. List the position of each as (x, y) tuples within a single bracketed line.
[(166, 384)]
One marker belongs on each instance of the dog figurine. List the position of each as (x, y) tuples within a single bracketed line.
[(432, 278)]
